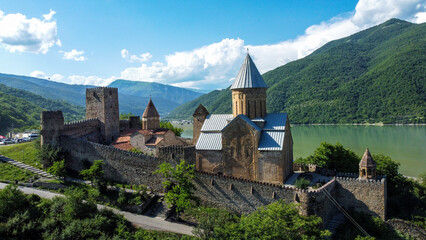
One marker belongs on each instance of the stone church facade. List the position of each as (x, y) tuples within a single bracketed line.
[(249, 143)]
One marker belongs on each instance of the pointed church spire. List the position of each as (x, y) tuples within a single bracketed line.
[(367, 160), (150, 110), (249, 76)]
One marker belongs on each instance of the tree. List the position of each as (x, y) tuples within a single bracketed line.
[(94, 173), (125, 116), (333, 157), (210, 220), (278, 220), (178, 184), (58, 169), (168, 125), (48, 155)]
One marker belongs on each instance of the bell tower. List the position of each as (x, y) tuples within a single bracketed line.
[(249, 91), (150, 117), (367, 166)]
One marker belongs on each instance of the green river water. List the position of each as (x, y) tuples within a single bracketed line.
[(404, 144)]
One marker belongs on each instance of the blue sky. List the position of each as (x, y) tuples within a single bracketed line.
[(194, 44)]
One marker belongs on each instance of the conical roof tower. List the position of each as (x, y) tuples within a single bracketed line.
[(150, 117), (248, 76), (249, 91), (367, 166)]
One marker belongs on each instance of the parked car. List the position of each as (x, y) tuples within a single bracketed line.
[(8, 141), (20, 140)]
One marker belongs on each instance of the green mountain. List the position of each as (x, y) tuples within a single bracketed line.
[(22, 109), (133, 96), (156, 90), (376, 75)]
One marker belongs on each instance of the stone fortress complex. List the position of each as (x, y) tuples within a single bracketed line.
[(243, 160)]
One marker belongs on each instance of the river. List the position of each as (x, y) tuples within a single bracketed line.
[(404, 144)]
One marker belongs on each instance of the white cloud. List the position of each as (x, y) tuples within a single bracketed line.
[(90, 80), (144, 57), (74, 55), (205, 67), (40, 74), (21, 34), (49, 16)]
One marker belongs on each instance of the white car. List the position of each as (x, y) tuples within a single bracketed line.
[(8, 141)]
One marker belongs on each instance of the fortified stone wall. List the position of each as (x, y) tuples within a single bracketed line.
[(81, 128), (362, 195), (119, 165), (239, 195), (124, 125), (176, 153), (236, 194)]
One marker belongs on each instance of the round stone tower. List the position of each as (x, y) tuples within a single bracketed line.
[(150, 117), (249, 91)]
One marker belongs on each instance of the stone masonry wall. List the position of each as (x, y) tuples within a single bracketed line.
[(362, 195), (243, 196), (119, 165), (81, 128), (239, 195)]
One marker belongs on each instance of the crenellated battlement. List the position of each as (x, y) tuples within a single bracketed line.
[(79, 122), (88, 90)]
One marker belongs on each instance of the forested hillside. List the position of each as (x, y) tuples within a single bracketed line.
[(376, 75), (22, 109)]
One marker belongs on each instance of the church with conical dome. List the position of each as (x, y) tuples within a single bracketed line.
[(250, 143)]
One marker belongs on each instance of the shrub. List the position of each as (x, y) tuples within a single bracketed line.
[(302, 183)]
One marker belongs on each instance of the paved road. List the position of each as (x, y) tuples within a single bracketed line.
[(150, 223)]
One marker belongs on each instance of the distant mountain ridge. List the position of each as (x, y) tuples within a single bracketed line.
[(133, 96), (376, 75), (155, 90)]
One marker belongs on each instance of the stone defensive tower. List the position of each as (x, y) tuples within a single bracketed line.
[(52, 122), (102, 103), (199, 115), (150, 117), (367, 166), (249, 91)]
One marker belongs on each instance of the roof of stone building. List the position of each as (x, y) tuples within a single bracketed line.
[(367, 160), (215, 122), (123, 141), (200, 111), (150, 110), (271, 138), (248, 76)]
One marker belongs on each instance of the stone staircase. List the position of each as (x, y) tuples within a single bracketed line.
[(335, 222), (26, 167)]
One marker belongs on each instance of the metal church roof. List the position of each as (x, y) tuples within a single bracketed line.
[(215, 122), (271, 141), (275, 121), (249, 76), (209, 141)]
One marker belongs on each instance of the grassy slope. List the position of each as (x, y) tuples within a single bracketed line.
[(9, 172), (372, 76), (23, 152)]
